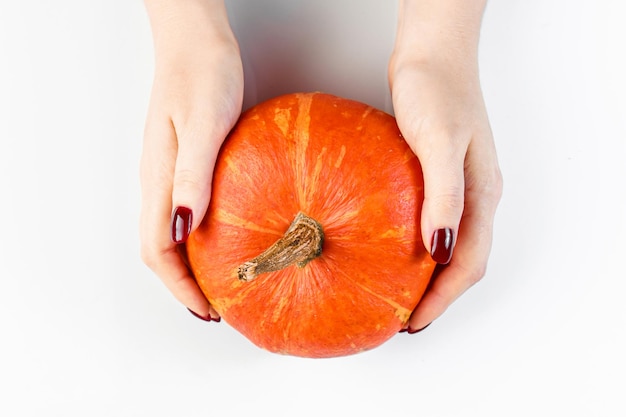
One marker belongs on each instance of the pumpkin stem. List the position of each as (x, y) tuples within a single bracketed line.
[(301, 243)]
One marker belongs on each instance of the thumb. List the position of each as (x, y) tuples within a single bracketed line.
[(444, 189), (198, 147)]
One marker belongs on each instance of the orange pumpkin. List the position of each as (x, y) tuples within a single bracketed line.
[(311, 244)]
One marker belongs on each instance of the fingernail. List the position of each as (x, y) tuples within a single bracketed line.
[(441, 246), (181, 224), (412, 331), (207, 318), (403, 330)]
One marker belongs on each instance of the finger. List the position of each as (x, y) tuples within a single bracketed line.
[(191, 189), (200, 135), (442, 160), (179, 281), (157, 249), (483, 191), (454, 279)]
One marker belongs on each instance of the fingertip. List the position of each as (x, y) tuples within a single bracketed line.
[(441, 245), (171, 268), (440, 221), (182, 220), (425, 313), (215, 316), (411, 330), (212, 315), (203, 317)]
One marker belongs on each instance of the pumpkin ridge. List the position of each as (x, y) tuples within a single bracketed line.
[(230, 219), (281, 120), (223, 304), (342, 154), (337, 219), (312, 185), (302, 133), (402, 313), (368, 110), (228, 161), (283, 302)]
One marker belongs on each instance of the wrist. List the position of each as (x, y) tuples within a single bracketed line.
[(439, 34)]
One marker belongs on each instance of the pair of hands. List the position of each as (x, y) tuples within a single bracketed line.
[(197, 97)]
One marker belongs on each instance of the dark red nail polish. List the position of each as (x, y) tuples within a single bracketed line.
[(404, 330), (207, 318), (441, 246), (411, 331), (181, 224)]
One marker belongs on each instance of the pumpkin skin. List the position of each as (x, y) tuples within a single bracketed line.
[(347, 166)]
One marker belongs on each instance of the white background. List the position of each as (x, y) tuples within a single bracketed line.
[(87, 330)]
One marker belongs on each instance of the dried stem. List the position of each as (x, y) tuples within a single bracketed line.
[(301, 243)]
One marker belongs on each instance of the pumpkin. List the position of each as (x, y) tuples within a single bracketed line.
[(311, 244)]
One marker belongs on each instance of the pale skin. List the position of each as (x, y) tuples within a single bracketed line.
[(197, 96)]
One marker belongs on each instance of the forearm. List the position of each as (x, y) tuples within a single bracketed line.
[(438, 30), (182, 26)]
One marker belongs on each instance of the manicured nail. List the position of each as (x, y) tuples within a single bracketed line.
[(404, 330), (441, 246), (181, 224), (411, 331), (207, 318)]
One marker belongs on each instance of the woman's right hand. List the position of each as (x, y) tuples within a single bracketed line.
[(196, 99)]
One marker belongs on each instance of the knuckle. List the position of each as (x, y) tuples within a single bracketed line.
[(450, 199), (148, 255), (429, 135), (187, 180), (470, 274), (476, 274), (489, 184)]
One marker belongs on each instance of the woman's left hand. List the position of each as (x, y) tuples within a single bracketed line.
[(440, 110)]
